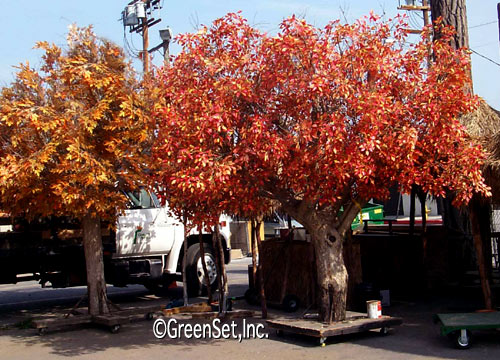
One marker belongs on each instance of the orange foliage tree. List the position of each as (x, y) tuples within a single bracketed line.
[(73, 134), (318, 119)]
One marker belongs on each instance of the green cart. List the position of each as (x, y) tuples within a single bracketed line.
[(459, 326)]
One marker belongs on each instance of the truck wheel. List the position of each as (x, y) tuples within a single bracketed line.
[(196, 283)]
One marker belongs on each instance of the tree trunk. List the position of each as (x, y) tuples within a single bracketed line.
[(331, 276), (453, 13), (96, 284)]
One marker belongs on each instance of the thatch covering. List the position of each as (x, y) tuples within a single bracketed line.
[(484, 125)]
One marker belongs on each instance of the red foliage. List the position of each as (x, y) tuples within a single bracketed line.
[(326, 115)]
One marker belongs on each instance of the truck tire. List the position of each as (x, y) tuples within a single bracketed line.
[(195, 275)]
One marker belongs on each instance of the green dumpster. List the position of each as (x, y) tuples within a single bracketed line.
[(370, 212)]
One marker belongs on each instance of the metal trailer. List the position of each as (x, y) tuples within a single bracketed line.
[(459, 326)]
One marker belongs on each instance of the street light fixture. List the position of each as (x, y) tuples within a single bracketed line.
[(166, 34)]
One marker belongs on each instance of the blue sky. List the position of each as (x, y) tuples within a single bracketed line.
[(26, 21)]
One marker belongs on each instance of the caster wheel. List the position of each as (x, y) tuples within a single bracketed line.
[(42, 331), (384, 331), (462, 339), (149, 316), (291, 303), (322, 341), (115, 328)]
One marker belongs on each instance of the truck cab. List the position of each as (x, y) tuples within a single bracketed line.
[(149, 247)]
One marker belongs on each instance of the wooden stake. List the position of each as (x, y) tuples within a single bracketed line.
[(204, 264), (261, 276), (184, 262)]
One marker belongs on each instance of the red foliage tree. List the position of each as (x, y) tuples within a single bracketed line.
[(320, 120)]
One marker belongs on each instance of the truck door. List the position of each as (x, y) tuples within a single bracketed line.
[(145, 228)]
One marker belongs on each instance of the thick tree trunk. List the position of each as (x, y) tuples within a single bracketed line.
[(453, 13), (327, 231), (96, 284), (331, 276)]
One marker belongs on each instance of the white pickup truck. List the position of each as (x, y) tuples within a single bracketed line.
[(147, 248)]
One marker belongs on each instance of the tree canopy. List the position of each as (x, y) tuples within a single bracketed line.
[(73, 132), (334, 115)]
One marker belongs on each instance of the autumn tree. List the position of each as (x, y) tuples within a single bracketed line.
[(318, 119), (72, 136)]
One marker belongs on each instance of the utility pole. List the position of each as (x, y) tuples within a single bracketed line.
[(139, 16), (498, 12), (145, 46), (425, 5), (411, 6), (425, 8)]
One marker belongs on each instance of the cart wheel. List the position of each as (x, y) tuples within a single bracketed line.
[(384, 331), (279, 333), (291, 303), (42, 331), (114, 329), (322, 341), (462, 339), (149, 316)]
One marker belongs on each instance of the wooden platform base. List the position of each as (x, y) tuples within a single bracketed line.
[(113, 321), (355, 323), (236, 314)]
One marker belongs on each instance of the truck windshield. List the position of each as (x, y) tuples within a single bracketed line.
[(141, 199)]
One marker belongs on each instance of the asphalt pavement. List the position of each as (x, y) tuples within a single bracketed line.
[(416, 338)]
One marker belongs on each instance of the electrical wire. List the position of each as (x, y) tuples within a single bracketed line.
[(484, 24), (484, 57)]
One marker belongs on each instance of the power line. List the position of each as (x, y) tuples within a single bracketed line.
[(484, 24), (484, 57)]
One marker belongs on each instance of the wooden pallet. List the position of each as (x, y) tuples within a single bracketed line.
[(355, 323), (194, 308), (112, 321), (236, 314)]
